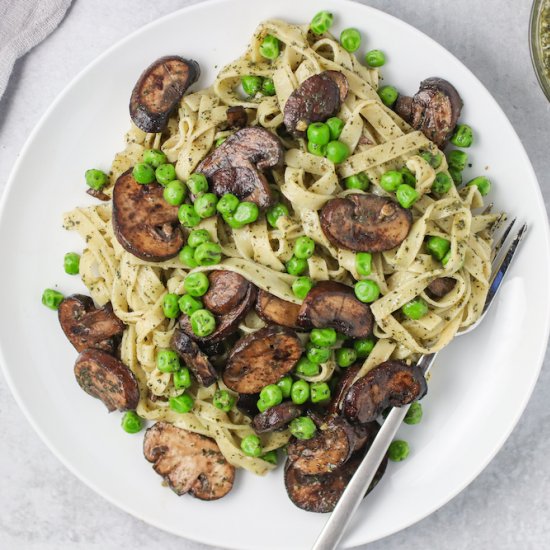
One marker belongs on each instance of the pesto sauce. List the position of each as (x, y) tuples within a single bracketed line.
[(544, 34)]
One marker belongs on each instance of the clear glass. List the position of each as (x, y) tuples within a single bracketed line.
[(536, 44)]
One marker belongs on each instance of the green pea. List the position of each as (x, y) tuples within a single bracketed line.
[(196, 284), (320, 392), (335, 125), (270, 456), (168, 361), (299, 393), (274, 213), (345, 357), (96, 179), (317, 355), (391, 180), (415, 309), (231, 221), (285, 384), (188, 216), (323, 337), (208, 254), (406, 195), (301, 287), (187, 256), (247, 212), (306, 367), (302, 427), (317, 150), (350, 40), (296, 266), (398, 450), (363, 347), (438, 247), (375, 58), (463, 136), (271, 395), (51, 298), (321, 22), (318, 133), (219, 141), (251, 445), (261, 406), (446, 258), (197, 184), (165, 173), (337, 152), (143, 173), (227, 204), (456, 175), (223, 400), (205, 205), (170, 306), (457, 159), (363, 263), (408, 176), (182, 378), (198, 237), (203, 322), (71, 263), (358, 181), (154, 157), (131, 422), (433, 160), (388, 95), (414, 414), (442, 183), (268, 87), (269, 47), (482, 183), (251, 84), (304, 247), (189, 305), (174, 192), (367, 291), (182, 403)]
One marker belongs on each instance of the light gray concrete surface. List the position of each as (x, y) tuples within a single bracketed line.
[(44, 507)]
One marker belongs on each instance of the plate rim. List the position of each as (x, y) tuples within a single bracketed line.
[(10, 185)]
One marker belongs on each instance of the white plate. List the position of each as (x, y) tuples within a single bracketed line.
[(478, 389)]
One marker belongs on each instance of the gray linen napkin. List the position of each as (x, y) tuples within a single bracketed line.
[(23, 24)]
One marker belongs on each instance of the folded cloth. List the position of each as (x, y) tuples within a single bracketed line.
[(24, 24)]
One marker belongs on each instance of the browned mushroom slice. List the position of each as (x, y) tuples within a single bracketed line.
[(247, 403), (235, 166), (439, 287), (262, 358), (276, 417), (365, 223), (236, 117), (333, 305), (342, 388), (276, 311), (102, 376), (98, 194), (144, 223), (390, 384), (434, 109), (194, 358), (189, 462), (87, 326), (159, 90), (316, 99)]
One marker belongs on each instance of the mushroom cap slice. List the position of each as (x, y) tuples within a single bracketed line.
[(365, 222), (333, 305), (276, 311), (194, 358), (262, 358), (159, 90), (144, 223), (440, 287), (276, 417), (390, 384), (189, 462), (106, 378)]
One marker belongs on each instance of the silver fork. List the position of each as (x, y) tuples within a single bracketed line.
[(334, 528)]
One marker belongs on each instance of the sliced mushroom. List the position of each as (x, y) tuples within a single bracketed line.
[(230, 297), (189, 462), (236, 117), (434, 109), (98, 194), (246, 403), (144, 223), (333, 305), (315, 100), (194, 358), (439, 287), (274, 310), (102, 376), (365, 223), (276, 417), (342, 388), (390, 384), (87, 326), (262, 358), (236, 165), (159, 90)]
